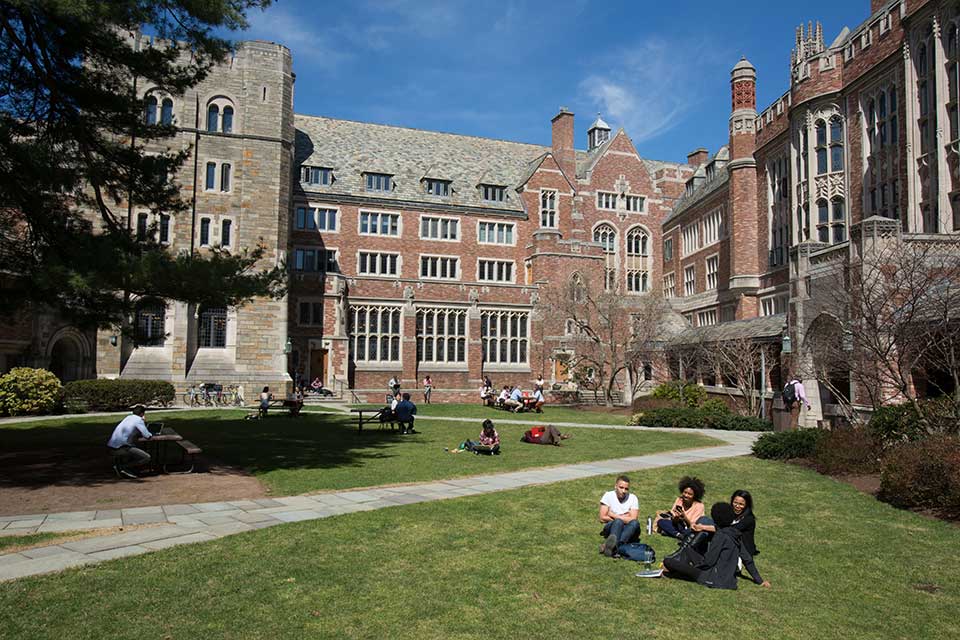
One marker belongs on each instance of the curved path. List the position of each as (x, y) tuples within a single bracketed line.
[(187, 523)]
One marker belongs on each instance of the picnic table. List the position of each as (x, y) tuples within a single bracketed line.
[(292, 405), (382, 416), (159, 443)]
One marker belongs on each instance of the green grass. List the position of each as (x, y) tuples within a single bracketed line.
[(521, 564), (31, 539), (550, 414), (322, 451)]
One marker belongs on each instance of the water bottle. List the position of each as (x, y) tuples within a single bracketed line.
[(649, 525)]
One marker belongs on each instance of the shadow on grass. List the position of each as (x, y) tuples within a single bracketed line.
[(73, 452)]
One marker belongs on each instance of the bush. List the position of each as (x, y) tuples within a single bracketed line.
[(698, 418), (893, 424), (785, 445), (682, 392), (26, 391), (116, 395), (850, 450), (715, 405), (924, 474), (646, 403)]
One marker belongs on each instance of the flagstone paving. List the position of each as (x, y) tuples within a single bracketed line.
[(177, 524)]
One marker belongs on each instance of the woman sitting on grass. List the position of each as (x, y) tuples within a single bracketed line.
[(718, 568), (488, 443), (744, 521), (686, 510)]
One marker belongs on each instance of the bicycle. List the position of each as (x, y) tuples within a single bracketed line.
[(191, 397)]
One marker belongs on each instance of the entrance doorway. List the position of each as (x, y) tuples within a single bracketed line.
[(318, 364), (66, 359), (560, 371)]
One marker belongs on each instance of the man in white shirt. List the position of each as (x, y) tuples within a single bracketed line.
[(514, 402), (618, 513), (121, 443)]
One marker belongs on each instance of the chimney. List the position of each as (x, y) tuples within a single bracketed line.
[(697, 157), (562, 144)]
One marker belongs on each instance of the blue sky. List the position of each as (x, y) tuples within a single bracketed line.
[(502, 69)]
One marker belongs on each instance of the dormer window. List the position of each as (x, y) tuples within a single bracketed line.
[(378, 182), (437, 187), (492, 193), (316, 175)]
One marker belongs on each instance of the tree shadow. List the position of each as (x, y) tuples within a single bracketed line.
[(74, 453)]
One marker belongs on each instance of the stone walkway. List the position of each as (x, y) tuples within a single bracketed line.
[(187, 523)]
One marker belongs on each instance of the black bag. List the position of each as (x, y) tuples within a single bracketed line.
[(789, 394), (637, 551)]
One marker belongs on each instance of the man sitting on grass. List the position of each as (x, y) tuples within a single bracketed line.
[(618, 513), (404, 412), (125, 455)]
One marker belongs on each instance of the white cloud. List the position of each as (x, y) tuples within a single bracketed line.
[(648, 88), (279, 24)]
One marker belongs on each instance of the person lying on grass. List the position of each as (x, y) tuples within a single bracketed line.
[(686, 510), (544, 435), (716, 569)]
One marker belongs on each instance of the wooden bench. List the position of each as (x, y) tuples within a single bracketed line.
[(382, 417), (188, 453)]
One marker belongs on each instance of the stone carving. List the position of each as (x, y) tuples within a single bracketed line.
[(408, 295), (534, 298), (622, 185), (836, 185), (474, 297)]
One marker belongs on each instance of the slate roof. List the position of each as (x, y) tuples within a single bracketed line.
[(761, 328), (410, 155), (706, 186), (352, 148)]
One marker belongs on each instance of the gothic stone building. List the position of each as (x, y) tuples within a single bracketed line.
[(415, 252)]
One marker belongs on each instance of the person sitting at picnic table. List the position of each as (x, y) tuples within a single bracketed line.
[(404, 412), (538, 400), (717, 568), (543, 435), (515, 401), (503, 397), (487, 382), (686, 510), (486, 395), (265, 398), (121, 443)]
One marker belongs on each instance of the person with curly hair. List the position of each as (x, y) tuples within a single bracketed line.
[(686, 510)]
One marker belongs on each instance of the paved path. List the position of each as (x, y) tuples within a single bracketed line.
[(187, 523)]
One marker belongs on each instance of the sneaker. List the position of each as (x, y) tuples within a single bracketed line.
[(610, 545), (652, 573), (128, 474)]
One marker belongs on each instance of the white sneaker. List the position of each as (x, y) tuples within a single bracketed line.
[(652, 573)]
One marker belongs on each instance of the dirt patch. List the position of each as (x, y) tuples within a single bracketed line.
[(57, 480), (869, 483)]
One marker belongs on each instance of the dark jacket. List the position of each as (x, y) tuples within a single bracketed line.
[(405, 410), (747, 525), (719, 566)]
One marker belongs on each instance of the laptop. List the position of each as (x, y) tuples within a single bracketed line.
[(155, 428)]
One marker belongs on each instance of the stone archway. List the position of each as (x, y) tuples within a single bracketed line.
[(68, 355), (830, 355)]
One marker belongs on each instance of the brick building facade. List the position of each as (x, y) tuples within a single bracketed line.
[(415, 252)]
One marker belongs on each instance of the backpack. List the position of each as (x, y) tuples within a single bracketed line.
[(637, 551), (789, 393)]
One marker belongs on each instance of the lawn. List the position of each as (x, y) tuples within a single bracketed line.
[(550, 414), (522, 564), (322, 451)]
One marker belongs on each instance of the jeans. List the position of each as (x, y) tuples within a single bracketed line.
[(130, 457), (671, 530), (625, 531)]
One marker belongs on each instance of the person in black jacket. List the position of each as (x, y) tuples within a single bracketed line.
[(718, 568), (743, 519)]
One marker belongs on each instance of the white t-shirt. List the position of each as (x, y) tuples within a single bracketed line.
[(617, 507), (127, 431)]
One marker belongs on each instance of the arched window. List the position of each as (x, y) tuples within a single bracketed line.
[(821, 137), (212, 327), (166, 111), (227, 120), (213, 114), (606, 236), (150, 110), (149, 323), (836, 144), (637, 261)]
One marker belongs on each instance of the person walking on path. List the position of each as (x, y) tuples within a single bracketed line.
[(794, 395), (121, 443)]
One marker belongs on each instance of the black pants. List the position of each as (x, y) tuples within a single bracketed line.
[(683, 565)]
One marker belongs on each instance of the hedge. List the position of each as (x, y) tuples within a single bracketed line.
[(847, 450), (682, 392), (785, 445), (893, 424), (699, 418), (28, 391), (923, 474), (116, 395)]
